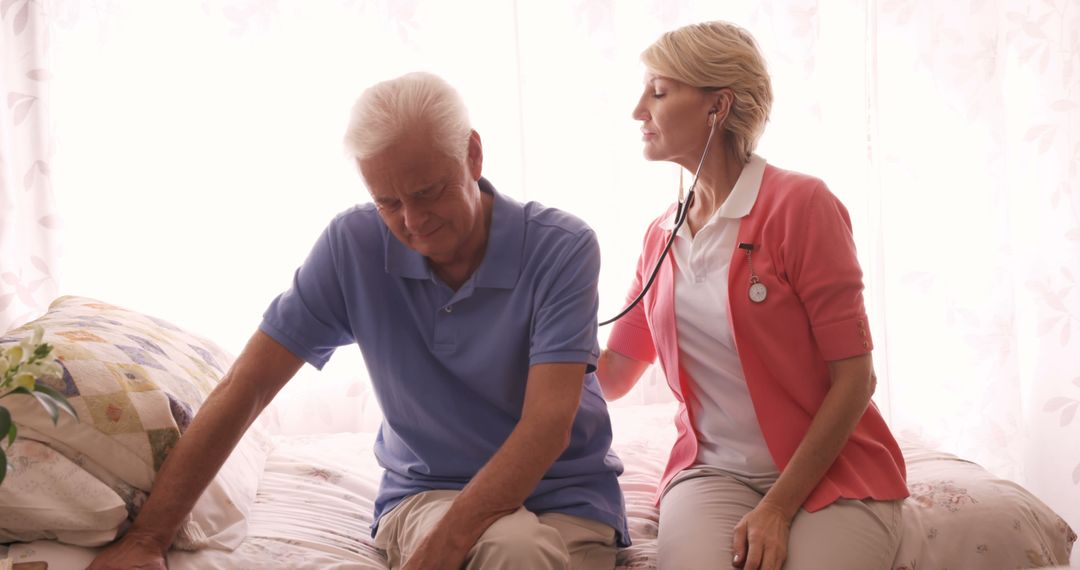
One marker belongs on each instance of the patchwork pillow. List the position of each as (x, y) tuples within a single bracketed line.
[(136, 381), (47, 496)]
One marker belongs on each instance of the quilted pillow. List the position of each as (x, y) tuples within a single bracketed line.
[(136, 382)]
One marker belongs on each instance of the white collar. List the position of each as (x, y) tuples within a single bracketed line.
[(742, 197)]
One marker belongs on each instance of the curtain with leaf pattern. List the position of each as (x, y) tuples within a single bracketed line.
[(28, 220)]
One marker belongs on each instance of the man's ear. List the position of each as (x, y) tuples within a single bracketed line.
[(475, 158)]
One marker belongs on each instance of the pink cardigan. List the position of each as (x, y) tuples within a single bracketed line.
[(805, 254)]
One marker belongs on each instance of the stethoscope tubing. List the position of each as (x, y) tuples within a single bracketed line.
[(681, 213)]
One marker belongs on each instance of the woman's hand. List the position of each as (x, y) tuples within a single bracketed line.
[(617, 373), (761, 538)]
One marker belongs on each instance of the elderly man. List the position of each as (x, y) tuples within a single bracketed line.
[(476, 316)]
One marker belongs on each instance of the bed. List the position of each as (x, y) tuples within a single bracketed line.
[(309, 497)]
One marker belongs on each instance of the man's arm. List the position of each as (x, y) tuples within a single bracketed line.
[(259, 372), (552, 397)]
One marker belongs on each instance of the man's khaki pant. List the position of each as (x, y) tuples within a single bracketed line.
[(702, 505), (521, 539)]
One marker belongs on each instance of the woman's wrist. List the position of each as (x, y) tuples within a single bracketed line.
[(785, 508)]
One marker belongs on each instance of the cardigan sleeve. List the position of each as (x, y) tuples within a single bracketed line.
[(824, 270), (630, 335)]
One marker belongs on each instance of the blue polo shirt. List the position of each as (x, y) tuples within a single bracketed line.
[(449, 367)]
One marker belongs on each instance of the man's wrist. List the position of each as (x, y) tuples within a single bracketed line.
[(461, 527), (454, 537), (151, 538)]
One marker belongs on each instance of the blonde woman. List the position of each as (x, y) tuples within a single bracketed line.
[(756, 317)]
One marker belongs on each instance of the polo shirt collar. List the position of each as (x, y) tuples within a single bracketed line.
[(741, 200), (502, 259)]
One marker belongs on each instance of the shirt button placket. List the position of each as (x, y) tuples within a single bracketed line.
[(444, 330)]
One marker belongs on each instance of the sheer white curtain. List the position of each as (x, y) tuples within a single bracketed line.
[(198, 157), (976, 147), (28, 224)]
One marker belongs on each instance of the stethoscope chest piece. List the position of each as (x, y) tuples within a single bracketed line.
[(758, 291)]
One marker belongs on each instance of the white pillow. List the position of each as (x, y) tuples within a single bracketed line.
[(959, 515), (45, 495), (219, 519)]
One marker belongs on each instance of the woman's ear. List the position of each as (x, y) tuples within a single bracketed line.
[(722, 101)]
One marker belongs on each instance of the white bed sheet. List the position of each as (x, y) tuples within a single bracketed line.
[(314, 504)]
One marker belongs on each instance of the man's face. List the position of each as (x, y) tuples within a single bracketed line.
[(430, 202)]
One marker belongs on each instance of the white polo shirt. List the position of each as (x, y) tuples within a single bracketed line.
[(727, 426)]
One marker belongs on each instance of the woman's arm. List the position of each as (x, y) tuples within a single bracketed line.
[(618, 373), (853, 384), (761, 538)]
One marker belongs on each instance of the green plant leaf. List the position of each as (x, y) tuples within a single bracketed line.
[(50, 406), (19, 390), (3, 465), (5, 421), (57, 397), (12, 434), (42, 350)]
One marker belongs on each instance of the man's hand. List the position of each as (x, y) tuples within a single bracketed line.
[(448, 546), (552, 394), (435, 556), (761, 539), (134, 551)]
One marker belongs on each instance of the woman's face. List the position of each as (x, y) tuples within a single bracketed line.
[(674, 120)]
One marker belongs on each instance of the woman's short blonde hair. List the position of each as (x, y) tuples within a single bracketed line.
[(714, 55), (415, 103)]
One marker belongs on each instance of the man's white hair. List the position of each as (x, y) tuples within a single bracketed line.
[(415, 104)]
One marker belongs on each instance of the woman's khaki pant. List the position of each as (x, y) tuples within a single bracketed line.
[(702, 505), (521, 539)]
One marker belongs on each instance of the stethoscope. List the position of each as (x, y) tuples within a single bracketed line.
[(757, 291)]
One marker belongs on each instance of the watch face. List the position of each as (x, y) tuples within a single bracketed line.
[(758, 292)]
